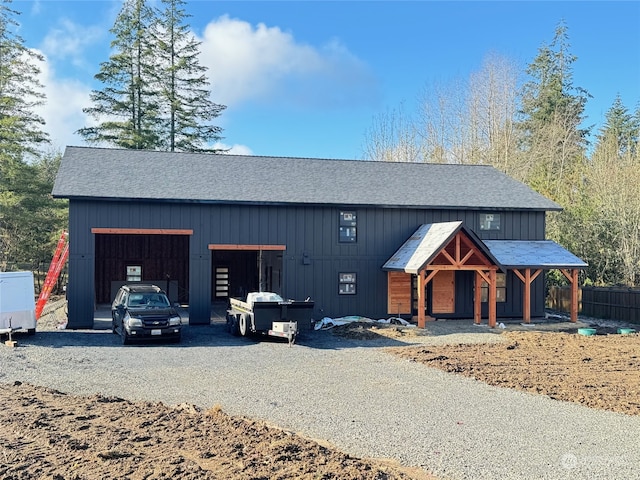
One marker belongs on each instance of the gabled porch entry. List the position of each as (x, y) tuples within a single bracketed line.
[(433, 253)]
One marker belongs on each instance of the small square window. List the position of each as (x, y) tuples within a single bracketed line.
[(489, 221), (347, 227), (501, 289), (347, 283), (134, 273)]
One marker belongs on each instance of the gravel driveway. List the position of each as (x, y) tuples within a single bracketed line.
[(348, 392)]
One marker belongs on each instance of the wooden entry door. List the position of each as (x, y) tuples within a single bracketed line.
[(443, 292)]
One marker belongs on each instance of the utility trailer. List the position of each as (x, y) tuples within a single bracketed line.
[(17, 302), (267, 313)]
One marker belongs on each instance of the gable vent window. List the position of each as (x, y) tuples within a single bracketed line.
[(348, 227), (489, 221)]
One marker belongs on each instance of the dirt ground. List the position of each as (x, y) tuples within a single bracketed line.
[(600, 371), (48, 435)]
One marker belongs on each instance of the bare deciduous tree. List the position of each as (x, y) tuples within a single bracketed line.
[(468, 122), (393, 138)]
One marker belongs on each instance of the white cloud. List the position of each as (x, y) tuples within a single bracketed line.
[(36, 7), (62, 111), (261, 63), (70, 40)]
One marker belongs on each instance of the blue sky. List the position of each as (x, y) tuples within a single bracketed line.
[(308, 78)]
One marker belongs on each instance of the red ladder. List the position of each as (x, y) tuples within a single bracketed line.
[(59, 259)]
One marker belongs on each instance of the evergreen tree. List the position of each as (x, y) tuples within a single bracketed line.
[(155, 95), (21, 135), (127, 107), (552, 112), (553, 143), (621, 130), (614, 176), (20, 91), (33, 220), (184, 94)]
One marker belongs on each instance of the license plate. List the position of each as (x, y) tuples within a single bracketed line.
[(156, 332)]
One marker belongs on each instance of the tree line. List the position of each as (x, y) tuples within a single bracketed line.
[(531, 125), (154, 95)]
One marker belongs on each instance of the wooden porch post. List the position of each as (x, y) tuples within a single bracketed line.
[(492, 298), (573, 279), (574, 295), (526, 307), (477, 299), (421, 300), (527, 279)]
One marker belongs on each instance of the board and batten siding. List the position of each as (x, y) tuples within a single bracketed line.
[(308, 232)]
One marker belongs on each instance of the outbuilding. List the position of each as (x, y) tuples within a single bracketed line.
[(358, 237)]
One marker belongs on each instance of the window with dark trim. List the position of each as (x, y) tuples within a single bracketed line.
[(501, 289), (347, 283), (347, 227), (489, 221), (134, 273)]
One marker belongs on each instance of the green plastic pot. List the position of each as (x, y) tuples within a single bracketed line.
[(626, 331), (587, 332)]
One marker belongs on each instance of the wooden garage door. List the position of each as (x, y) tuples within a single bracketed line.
[(443, 292)]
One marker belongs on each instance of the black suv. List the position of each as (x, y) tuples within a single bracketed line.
[(144, 311)]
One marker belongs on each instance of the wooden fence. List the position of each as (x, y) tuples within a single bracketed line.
[(613, 303)]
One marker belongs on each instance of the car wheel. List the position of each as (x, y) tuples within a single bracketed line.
[(113, 325), (243, 324)]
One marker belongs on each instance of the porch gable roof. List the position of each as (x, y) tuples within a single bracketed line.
[(544, 254), (426, 243), (428, 240)]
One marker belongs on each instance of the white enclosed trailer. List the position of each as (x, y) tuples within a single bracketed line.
[(17, 302)]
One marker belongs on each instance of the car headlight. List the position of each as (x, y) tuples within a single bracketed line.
[(133, 322), (173, 321)]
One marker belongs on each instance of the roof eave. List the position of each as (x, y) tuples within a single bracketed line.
[(547, 266), (286, 203)]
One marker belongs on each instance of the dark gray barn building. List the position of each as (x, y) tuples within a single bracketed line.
[(206, 227)]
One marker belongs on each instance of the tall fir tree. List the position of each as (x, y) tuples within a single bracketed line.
[(552, 114), (155, 93), (20, 91), (622, 130), (127, 108), (187, 109), (21, 138), (553, 142)]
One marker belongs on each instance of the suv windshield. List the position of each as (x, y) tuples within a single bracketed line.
[(146, 300)]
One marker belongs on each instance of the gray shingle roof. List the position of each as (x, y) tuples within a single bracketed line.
[(148, 175), (545, 254), (429, 239)]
